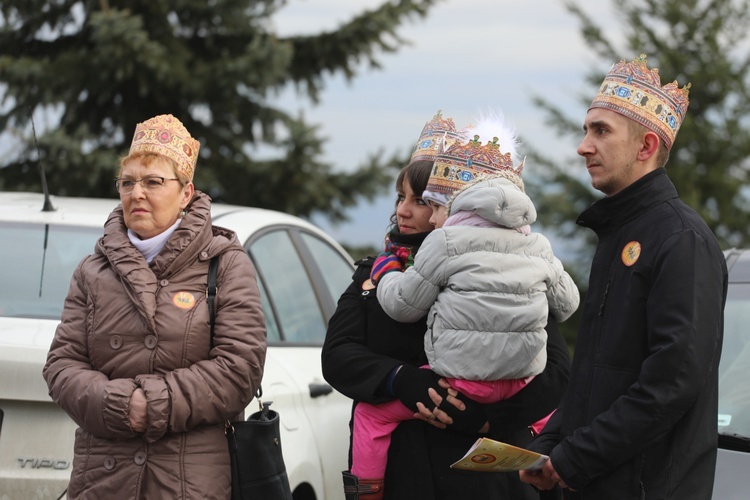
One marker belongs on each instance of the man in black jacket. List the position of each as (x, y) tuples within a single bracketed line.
[(638, 420)]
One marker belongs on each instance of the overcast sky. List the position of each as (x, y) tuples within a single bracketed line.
[(464, 57)]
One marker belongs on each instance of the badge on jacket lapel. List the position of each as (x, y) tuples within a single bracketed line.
[(630, 253), (183, 300), (368, 285)]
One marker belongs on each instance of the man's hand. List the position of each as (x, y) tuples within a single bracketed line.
[(537, 479), (550, 473), (544, 479)]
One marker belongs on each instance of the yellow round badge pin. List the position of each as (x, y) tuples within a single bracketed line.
[(184, 300), (630, 253)]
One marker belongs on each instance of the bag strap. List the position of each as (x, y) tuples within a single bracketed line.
[(213, 271)]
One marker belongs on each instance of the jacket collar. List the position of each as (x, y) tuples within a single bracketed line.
[(614, 211), (413, 240), (190, 237)]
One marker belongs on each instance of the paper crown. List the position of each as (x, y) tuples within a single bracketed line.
[(437, 134), (635, 91), (465, 161), (167, 136)]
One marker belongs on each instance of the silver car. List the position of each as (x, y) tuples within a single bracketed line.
[(734, 390), (301, 274)]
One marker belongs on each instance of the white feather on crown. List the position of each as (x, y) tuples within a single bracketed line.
[(491, 123), (488, 148)]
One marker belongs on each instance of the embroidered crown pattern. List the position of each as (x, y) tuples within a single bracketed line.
[(635, 91), (438, 134), (167, 136), (464, 163)]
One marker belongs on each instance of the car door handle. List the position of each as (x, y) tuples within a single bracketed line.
[(317, 390)]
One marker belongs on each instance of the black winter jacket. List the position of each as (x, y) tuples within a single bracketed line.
[(363, 345), (638, 420)]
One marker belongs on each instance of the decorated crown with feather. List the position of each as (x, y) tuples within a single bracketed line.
[(488, 148)]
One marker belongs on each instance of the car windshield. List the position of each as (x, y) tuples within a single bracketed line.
[(38, 262), (734, 390)]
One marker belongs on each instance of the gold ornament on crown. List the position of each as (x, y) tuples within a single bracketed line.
[(167, 136), (635, 91), (438, 134), (463, 163)]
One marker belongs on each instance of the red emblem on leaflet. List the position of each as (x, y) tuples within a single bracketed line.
[(483, 458)]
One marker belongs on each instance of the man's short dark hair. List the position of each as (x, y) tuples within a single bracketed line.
[(636, 129)]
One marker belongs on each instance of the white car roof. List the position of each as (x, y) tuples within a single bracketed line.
[(27, 207), (93, 212)]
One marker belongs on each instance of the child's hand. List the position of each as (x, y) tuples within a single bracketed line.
[(384, 264)]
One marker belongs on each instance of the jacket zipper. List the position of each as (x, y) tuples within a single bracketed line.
[(640, 476), (604, 297), (597, 324)]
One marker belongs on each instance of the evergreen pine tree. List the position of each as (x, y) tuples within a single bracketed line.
[(701, 42), (95, 68)]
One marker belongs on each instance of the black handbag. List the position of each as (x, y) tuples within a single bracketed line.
[(258, 469)]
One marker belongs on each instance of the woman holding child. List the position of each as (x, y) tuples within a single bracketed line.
[(374, 359)]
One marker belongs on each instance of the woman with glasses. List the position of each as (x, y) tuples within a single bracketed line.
[(133, 361)]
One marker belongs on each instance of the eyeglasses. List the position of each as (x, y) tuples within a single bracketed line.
[(151, 183)]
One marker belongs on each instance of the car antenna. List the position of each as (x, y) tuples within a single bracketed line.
[(47, 201)]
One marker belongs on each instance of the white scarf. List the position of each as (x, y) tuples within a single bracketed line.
[(151, 247)]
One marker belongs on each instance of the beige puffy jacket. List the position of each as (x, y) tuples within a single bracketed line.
[(128, 324)]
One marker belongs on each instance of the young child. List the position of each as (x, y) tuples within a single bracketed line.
[(484, 280)]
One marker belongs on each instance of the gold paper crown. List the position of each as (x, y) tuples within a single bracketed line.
[(463, 163), (635, 91), (438, 134), (167, 136)]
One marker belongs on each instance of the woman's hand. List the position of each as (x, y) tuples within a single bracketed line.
[(439, 417), (411, 385), (137, 414), (436, 416)]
